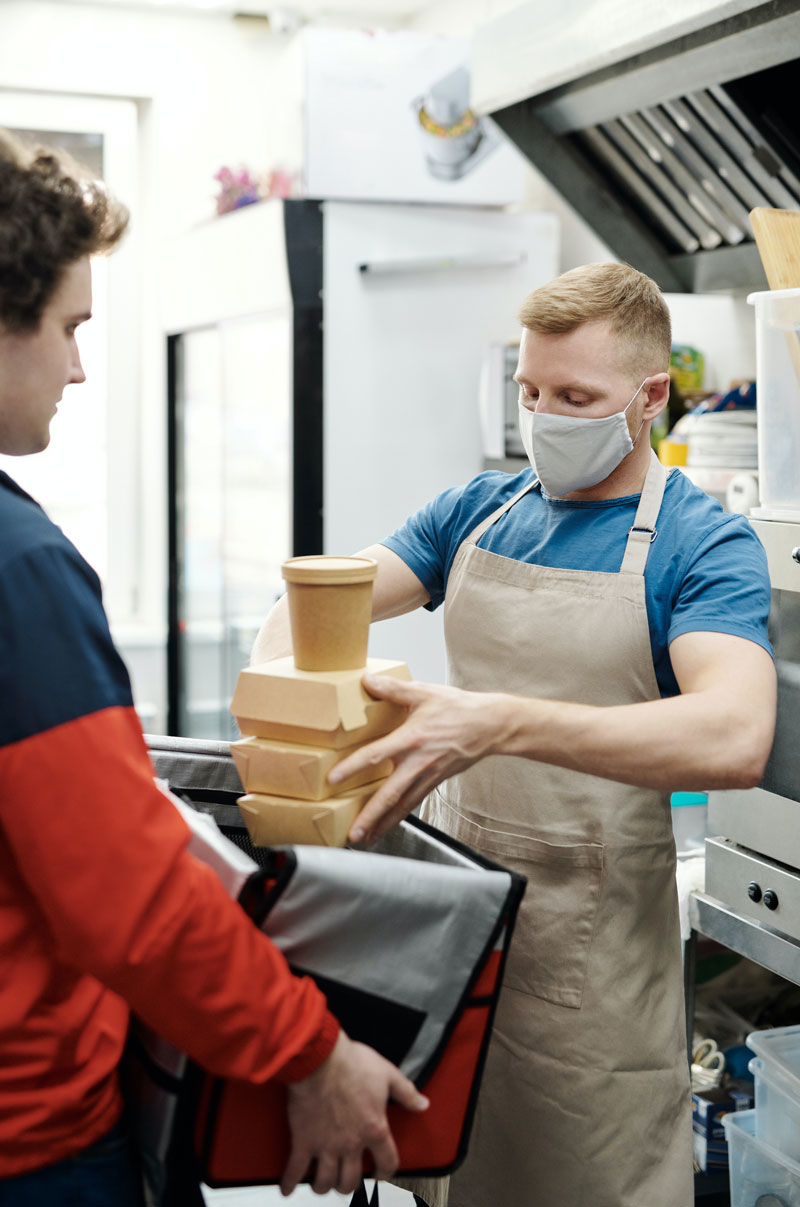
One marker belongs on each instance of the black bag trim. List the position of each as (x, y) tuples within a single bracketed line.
[(203, 796), (369, 1018), (163, 1079), (360, 1199), (255, 898)]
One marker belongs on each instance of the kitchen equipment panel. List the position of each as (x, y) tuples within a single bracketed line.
[(754, 886)]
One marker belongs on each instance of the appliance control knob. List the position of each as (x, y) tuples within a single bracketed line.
[(754, 891), (796, 553), (771, 899)]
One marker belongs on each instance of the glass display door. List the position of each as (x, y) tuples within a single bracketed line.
[(231, 507)]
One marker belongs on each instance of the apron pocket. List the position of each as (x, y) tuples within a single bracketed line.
[(550, 950)]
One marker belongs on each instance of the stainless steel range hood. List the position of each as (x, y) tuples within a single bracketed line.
[(661, 125)]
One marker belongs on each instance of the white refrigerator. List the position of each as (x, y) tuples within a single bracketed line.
[(325, 361)]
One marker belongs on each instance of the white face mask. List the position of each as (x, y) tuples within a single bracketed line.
[(570, 453)]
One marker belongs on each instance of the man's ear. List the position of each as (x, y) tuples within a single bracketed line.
[(657, 392)]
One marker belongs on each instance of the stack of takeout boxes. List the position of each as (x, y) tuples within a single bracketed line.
[(303, 714)]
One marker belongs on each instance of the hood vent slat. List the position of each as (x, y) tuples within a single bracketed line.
[(671, 225), (711, 182), (690, 122), (694, 167)]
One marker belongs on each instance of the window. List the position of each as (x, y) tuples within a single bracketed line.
[(88, 479)]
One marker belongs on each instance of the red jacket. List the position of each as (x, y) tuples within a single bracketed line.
[(101, 906)]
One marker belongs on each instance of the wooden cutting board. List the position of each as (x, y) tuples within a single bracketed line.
[(777, 235)]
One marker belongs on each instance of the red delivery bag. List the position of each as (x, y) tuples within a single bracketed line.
[(407, 941)]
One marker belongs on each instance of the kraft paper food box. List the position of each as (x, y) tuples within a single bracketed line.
[(278, 820), (292, 769), (316, 708)]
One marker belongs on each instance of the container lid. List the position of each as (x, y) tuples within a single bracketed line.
[(330, 571), (746, 1120), (772, 294), (780, 1050), (682, 799)]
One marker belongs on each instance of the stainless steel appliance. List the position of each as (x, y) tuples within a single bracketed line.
[(499, 408), (661, 125)]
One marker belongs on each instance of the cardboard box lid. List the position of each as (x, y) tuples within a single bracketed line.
[(274, 820), (271, 765), (278, 692)]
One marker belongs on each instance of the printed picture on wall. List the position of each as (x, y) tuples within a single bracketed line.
[(388, 118)]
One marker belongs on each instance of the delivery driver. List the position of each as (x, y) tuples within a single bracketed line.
[(101, 906), (606, 628)]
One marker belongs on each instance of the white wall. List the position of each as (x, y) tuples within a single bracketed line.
[(210, 91)]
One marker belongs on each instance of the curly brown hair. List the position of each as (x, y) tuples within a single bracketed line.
[(52, 213)]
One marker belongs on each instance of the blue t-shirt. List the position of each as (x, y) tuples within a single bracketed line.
[(706, 570)]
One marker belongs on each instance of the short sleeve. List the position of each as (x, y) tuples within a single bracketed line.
[(725, 587), (429, 540), (425, 543)]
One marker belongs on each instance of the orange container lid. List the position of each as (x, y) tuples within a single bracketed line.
[(325, 570)]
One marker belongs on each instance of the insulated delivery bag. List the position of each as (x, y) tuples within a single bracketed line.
[(407, 941)]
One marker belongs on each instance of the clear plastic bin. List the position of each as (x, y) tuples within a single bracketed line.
[(776, 1070), (779, 1048), (778, 385), (777, 1108), (757, 1169)]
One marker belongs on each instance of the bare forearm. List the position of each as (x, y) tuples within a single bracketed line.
[(697, 741), (716, 734), (274, 638)]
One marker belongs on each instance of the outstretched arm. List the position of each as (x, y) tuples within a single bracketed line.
[(716, 734)]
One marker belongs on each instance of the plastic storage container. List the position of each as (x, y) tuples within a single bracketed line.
[(778, 384), (757, 1170), (689, 812), (776, 1070), (777, 1108)]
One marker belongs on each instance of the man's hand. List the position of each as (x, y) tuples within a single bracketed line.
[(339, 1111), (446, 731)]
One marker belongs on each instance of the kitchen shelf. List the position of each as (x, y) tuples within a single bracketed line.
[(770, 948), (763, 945), (760, 943)]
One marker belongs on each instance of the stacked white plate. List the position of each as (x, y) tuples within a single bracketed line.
[(722, 440)]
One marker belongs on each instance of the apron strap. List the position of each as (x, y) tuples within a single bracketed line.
[(643, 531), (640, 536), (478, 532)]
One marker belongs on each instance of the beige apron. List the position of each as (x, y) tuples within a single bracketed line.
[(585, 1099)]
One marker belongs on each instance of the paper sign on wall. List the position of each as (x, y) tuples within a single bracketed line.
[(388, 118)]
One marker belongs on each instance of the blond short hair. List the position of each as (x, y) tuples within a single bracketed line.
[(630, 302)]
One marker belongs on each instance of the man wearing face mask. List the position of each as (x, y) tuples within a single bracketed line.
[(606, 629)]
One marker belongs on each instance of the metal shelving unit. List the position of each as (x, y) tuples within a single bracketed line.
[(762, 944)]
